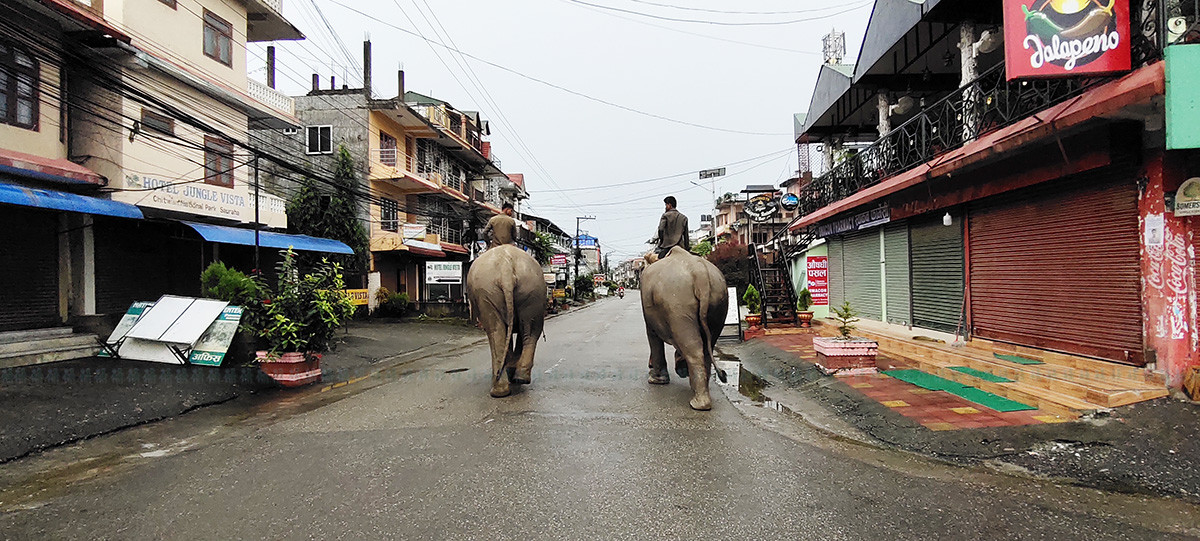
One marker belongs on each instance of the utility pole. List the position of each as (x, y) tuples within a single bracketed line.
[(257, 202), (577, 253)]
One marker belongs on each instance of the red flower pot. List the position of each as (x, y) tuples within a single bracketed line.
[(292, 369)]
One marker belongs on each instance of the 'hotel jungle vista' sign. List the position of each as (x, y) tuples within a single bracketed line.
[(1064, 38)]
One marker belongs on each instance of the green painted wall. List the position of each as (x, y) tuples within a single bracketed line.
[(1183, 96), (799, 268)]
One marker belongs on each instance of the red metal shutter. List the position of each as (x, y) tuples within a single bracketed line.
[(1056, 267)]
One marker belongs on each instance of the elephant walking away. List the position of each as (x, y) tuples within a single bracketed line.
[(684, 301), (508, 297)]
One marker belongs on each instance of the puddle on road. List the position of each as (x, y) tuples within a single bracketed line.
[(750, 385)]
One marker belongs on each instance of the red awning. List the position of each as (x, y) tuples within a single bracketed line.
[(1137, 87), (49, 169), (456, 248), (427, 253)]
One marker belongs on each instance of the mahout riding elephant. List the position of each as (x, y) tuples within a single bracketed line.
[(684, 302), (508, 296)]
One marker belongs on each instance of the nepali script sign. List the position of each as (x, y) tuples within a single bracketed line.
[(1065, 38), (817, 280)]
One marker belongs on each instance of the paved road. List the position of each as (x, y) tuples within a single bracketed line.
[(589, 451)]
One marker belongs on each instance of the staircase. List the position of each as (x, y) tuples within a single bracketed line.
[(1065, 385), (38, 346), (774, 283)]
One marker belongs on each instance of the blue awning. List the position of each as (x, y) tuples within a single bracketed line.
[(13, 194), (267, 239)]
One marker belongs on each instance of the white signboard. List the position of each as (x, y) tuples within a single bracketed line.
[(602, 291), (444, 272), (235, 203), (731, 316), (413, 231)]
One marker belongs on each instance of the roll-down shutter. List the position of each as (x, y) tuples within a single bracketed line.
[(895, 264), (1057, 267), (937, 273), (837, 289), (861, 272), (28, 269)]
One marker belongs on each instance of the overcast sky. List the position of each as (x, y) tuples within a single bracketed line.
[(733, 77)]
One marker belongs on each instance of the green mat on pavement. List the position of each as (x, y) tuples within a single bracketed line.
[(980, 374), (1017, 359), (935, 383)]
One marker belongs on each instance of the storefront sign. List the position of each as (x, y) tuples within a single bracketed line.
[(558, 259), (560, 293), (862, 220), (762, 207), (235, 203), (360, 297), (212, 346), (413, 231), (818, 279), (548, 277), (1187, 199), (789, 201), (443, 272), (1060, 38), (599, 278), (585, 242)]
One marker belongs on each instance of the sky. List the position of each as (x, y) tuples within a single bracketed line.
[(606, 106)]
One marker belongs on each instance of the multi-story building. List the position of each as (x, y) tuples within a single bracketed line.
[(125, 150), (430, 178), (1025, 201)]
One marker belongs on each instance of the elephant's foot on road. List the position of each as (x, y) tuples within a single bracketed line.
[(522, 376), (501, 389), (701, 402), (658, 377)]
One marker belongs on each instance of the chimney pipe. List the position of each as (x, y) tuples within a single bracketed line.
[(400, 89), (367, 68), (332, 82), (271, 66), (316, 82)]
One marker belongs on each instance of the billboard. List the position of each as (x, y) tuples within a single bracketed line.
[(1065, 38), (443, 272)]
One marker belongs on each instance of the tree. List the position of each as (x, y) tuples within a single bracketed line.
[(731, 260), (703, 248), (543, 247), (332, 212)]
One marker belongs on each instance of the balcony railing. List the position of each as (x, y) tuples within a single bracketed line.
[(270, 97), (391, 157)]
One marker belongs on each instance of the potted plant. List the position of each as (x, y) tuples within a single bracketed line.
[(301, 315), (845, 353), (802, 304), (753, 304)]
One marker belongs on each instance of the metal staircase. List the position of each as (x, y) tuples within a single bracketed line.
[(774, 283)]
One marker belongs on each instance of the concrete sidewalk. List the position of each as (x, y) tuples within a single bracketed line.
[(1149, 448), (59, 403)]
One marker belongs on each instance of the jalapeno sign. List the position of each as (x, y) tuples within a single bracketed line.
[(1065, 38)]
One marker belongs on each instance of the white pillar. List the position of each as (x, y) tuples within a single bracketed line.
[(885, 115)]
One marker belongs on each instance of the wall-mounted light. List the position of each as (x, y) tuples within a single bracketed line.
[(947, 220)]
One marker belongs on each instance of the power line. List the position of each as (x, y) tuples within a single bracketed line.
[(720, 23), (732, 12)]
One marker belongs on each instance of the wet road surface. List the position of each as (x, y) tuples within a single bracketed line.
[(588, 451)]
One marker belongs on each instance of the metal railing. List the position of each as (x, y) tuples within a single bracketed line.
[(391, 157)]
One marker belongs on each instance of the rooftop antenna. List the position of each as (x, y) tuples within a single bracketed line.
[(834, 46)]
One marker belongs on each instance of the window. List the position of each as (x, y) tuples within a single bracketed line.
[(157, 122), (389, 214), (18, 87), (320, 139), (218, 39), (387, 149), (218, 162)]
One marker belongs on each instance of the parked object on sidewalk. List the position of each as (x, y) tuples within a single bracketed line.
[(802, 308), (175, 330), (1191, 383), (684, 303), (753, 304), (507, 296), (846, 354), (302, 313)]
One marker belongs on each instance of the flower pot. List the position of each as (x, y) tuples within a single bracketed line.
[(805, 319), (292, 369), (846, 356), (753, 320)]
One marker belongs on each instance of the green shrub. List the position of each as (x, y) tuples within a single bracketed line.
[(752, 299), (232, 286), (390, 304), (847, 316), (804, 301)]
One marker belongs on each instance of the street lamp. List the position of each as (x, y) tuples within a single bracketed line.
[(578, 251)]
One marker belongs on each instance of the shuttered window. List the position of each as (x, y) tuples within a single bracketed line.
[(937, 273), (1057, 267), (895, 264), (861, 272)]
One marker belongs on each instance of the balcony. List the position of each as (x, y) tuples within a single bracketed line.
[(271, 98), (265, 22), (453, 123)]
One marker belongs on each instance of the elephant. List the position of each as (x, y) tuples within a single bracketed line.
[(507, 296), (684, 301)]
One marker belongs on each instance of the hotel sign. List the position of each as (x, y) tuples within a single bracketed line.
[(201, 199), (1065, 38)]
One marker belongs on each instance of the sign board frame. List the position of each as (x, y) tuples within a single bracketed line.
[(1041, 42), (443, 273)]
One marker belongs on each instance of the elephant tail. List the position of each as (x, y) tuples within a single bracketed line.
[(702, 289)]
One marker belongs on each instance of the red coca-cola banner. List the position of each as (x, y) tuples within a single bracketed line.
[(1065, 38), (818, 279)]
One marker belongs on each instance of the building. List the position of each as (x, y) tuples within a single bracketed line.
[(1028, 211), (126, 163), (430, 179)]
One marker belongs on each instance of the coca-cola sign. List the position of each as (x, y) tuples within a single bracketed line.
[(1064, 38)]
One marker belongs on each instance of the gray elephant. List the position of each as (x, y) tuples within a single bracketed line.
[(684, 301), (508, 296)]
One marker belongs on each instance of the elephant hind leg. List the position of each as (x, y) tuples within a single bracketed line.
[(499, 347), (681, 366), (658, 359)]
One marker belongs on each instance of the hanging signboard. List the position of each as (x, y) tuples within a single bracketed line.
[(558, 259), (413, 231), (789, 202), (1065, 38), (1187, 199), (817, 280), (712, 173), (443, 272), (762, 207)]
